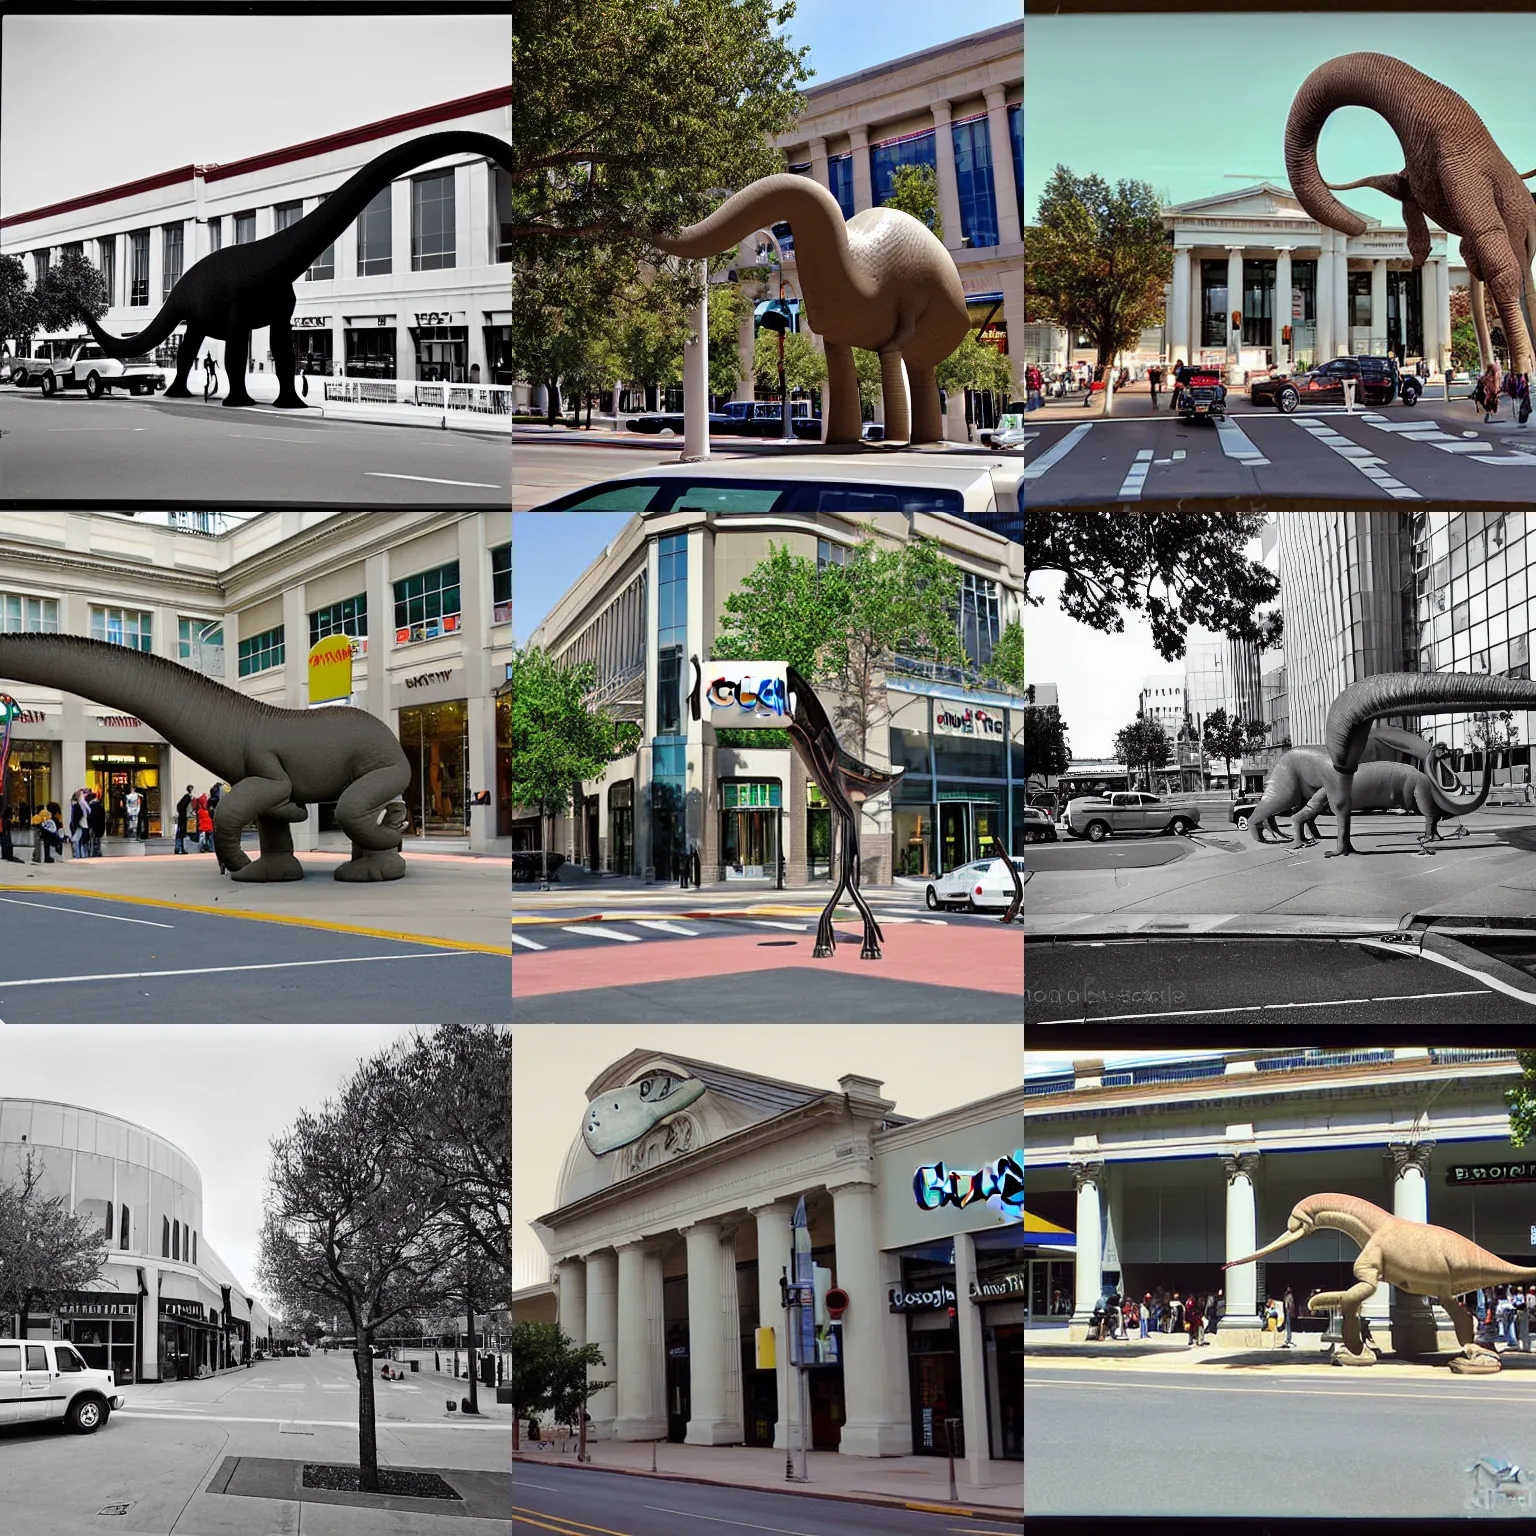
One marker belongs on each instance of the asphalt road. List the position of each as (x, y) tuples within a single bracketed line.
[(1298, 984), (1388, 455), (78, 960), (575, 1501), (1347, 1444), (1113, 853), (71, 448), (544, 470)]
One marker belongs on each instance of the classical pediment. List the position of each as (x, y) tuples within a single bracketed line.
[(1264, 200)]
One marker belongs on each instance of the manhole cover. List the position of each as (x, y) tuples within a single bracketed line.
[(777, 943)]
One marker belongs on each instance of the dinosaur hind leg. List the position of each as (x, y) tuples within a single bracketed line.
[(840, 407), (237, 350), (927, 423), (282, 365), (269, 803), (186, 361), (893, 386), (368, 812)]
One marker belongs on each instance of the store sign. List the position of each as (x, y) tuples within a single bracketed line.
[(960, 720), (922, 1301), (1491, 1173), (439, 317), (193, 1311), (330, 669), (310, 322), (997, 1285), (999, 1184), (127, 722), (29, 716), (746, 693), (426, 679), (94, 1306)]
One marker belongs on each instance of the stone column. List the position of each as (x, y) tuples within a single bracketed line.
[(1087, 1178), (819, 163), (708, 1424), (1234, 299), (1341, 310), (1442, 266), (1009, 231), (1178, 309), (973, 1390), (796, 853), (1242, 1239), (655, 1340), (746, 340), (1282, 302), (573, 1300), (1429, 293), (1412, 1318), (863, 191), (730, 1335), (1323, 347), (603, 1330), (637, 1388), (944, 165), (774, 1242), (869, 1431), (1378, 343)]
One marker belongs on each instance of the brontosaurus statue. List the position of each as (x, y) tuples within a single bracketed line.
[(237, 290), (879, 281), (1386, 786), (1455, 174), (276, 761), (1420, 1260)]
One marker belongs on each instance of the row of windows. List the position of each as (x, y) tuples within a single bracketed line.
[(177, 1240), (262, 651)]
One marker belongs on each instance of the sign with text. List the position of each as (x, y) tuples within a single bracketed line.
[(330, 669), (1491, 1173), (753, 694), (968, 720)]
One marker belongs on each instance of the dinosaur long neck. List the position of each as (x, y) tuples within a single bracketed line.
[(1464, 805), (1351, 1223), (202, 718), (1409, 693), (294, 249)]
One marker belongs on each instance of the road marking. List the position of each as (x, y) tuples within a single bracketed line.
[(1528, 998), (1136, 475), (567, 1526), (269, 437), (81, 912), (482, 485), (221, 970), (1351, 452), (1334, 1002), (746, 1525), (517, 938), (763, 922), (662, 925), (455, 1423), (1236, 444), (603, 933), (1054, 456)]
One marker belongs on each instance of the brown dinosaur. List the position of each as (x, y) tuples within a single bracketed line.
[(1417, 1258)]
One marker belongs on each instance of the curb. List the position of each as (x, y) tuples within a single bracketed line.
[(1206, 926), (888, 1501)]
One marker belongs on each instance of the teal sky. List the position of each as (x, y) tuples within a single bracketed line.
[(845, 36), (1113, 95)]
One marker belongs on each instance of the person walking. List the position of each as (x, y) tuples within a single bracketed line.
[(51, 832), (1155, 381), (7, 848), (98, 822), (1146, 1313), (1192, 1320), (1504, 1313), (210, 376), (204, 825), (1290, 1317), (185, 818), (1178, 388), (1520, 397), (79, 825), (1032, 385), (1487, 392), (215, 790)]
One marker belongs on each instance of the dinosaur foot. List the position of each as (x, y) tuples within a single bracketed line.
[(870, 952), (380, 864), (240, 399), (177, 392), (823, 951), (290, 403), (1366, 1356), (1338, 853), (1483, 1363), (269, 869)]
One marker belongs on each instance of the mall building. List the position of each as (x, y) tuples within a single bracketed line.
[(654, 599), (667, 1248), (1156, 1175), (164, 1306), (426, 598), (419, 288)]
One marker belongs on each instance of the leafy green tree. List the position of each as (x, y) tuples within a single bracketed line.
[(1006, 664), (727, 308), (1046, 751), (805, 365), (19, 309), (557, 311), (915, 190), (649, 346), (1179, 568), (866, 367), (1491, 731), (1143, 744), (557, 740), (1521, 1098), (46, 1249), (549, 1374), (975, 364), (1097, 261)]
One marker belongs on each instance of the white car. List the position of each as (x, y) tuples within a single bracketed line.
[(981, 884), (42, 1379)]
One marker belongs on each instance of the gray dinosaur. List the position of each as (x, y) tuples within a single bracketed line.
[(276, 761), (1380, 786)]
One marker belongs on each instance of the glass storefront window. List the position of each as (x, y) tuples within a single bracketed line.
[(371, 352), (969, 757), (112, 770), (912, 842), (28, 780), (436, 741), (427, 604), (621, 827), (262, 651), (909, 750)]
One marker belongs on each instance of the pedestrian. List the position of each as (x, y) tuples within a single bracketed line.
[(185, 818), (215, 790), (143, 818), (80, 825), (1032, 384), (1178, 1313), (1290, 1317), (1221, 1309), (98, 820), (1146, 1313), (1192, 1320), (7, 849), (1123, 379), (1520, 398), (132, 805), (1178, 388), (204, 825), (1504, 1312), (51, 832), (210, 375), (1155, 381), (1486, 394), (1112, 1315)]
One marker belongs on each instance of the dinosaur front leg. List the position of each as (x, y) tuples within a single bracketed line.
[(371, 814), (840, 405), (1479, 309), (1502, 274), (288, 398), (1304, 822), (268, 802), (893, 386), (186, 361), (927, 423), (1349, 1302), (237, 351), (1340, 800)]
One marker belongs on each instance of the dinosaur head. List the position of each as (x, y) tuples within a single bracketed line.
[(1301, 1223), (1343, 1213)]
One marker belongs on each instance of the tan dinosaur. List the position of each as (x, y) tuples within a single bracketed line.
[(1419, 1259)]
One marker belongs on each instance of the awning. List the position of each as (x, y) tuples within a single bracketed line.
[(1040, 1233)]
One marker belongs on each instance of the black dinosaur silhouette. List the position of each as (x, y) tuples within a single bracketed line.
[(239, 289)]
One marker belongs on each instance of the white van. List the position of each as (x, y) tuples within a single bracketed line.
[(46, 1379)]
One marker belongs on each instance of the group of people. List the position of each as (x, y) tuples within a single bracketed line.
[(83, 828), (1505, 1314), (1159, 1311), (194, 819), (1492, 384), (1060, 382)]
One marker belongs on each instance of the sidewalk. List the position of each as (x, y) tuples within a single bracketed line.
[(894, 1480)]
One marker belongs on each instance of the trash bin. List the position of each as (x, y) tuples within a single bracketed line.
[(488, 1371), (415, 1365)]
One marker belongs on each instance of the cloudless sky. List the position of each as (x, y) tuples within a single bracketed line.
[(173, 89), (549, 551), (1239, 74), (846, 36)]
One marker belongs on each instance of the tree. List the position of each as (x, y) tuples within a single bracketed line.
[(1142, 744), (1521, 1098), (649, 345), (1097, 261), (1490, 731), (1046, 751), (46, 1249), (354, 1225), (1465, 352), (549, 1374), (1006, 664), (557, 741), (975, 364), (73, 289), (1228, 736), (727, 308), (805, 365), (866, 368), (19, 308), (915, 190), (1180, 568)]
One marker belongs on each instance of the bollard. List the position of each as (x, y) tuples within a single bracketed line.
[(950, 1425)]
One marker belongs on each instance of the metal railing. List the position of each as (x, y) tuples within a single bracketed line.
[(964, 677), (472, 399)]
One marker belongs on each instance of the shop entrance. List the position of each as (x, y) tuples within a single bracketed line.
[(935, 1370), (762, 1402), (1005, 1391), (312, 352), (442, 353), (436, 742), (818, 834), (679, 1401), (371, 353), (621, 828), (112, 771), (966, 829), (1051, 1283), (28, 780), (749, 829)]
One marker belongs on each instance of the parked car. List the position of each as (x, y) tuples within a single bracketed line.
[(1038, 826), (526, 865), (85, 366), (22, 371), (304, 1351), (1242, 810), (1378, 381), (45, 1379), (1201, 392), (983, 883), (1098, 816)]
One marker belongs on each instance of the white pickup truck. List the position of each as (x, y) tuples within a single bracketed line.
[(42, 1379), (85, 366)]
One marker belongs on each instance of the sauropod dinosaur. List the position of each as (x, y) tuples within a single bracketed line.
[(879, 281), (1419, 1259), (237, 290), (1455, 174), (277, 761), (1380, 786)]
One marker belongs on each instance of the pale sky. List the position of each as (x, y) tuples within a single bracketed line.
[(185, 88), (220, 1092), (925, 1069)]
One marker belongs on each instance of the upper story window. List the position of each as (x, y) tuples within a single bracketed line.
[(175, 1239), (40, 267), (840, 178), (172, 261), (501, 578), (122, 1231), (427, 604), (123, 626), (200, 644), (284, 214), (1016, 133), (348, 617), (432, 221), (262, 652), (501, 187), (216, 233), (324, 268), (138, 267), (912, 149), (975, 182), (245, 228), (375, 236), (979, 617), (165, 1237), (21, 615), (106, 259), (828, 553)]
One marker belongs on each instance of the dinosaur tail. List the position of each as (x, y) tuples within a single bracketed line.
[(1464, 805), (1411, 693), (151, 336)]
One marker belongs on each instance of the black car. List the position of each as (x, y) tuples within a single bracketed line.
[(1378, 381), (1201, 392)]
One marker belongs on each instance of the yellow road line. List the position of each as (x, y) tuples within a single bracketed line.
[(267, 917), (559, 1530), (941, 1509), (568, 1522)]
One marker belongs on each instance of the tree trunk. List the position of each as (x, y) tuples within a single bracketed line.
[(543, 848), (474, 1374), (367, 1428), (551, 401)]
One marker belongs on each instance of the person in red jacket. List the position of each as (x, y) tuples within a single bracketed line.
[(204, 825)]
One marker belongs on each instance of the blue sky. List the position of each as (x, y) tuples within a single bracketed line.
[(846, 36), (1239, 74), (549, 551)]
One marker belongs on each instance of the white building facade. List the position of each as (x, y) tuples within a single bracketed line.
[(418, 288), (668, 1251), (164, 1306), (424, 596)]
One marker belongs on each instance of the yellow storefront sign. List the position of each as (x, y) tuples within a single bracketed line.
[(330, 669)]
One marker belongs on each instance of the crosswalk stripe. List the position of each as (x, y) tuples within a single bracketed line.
[(1136, 476), (1236, 444), (517, 938), (763, 922), (1056, 454), (600, 931), (663, 925), (1362, 459)]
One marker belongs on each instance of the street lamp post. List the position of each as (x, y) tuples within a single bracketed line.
[(778, 320)]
